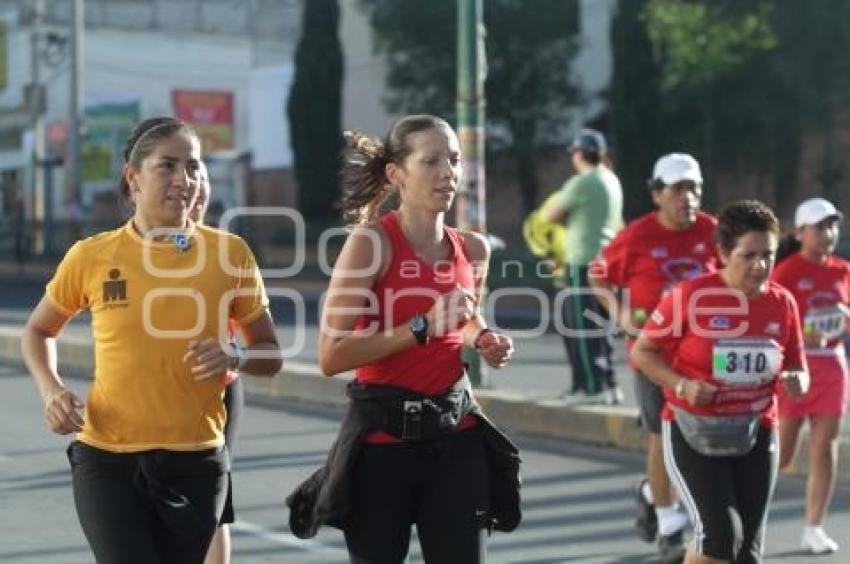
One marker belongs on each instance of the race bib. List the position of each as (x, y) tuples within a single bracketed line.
[(828, 321), (746, 362)]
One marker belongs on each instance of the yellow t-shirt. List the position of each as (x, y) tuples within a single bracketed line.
[(148, 300)]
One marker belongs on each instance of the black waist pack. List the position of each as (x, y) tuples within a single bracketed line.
[(412, 417)]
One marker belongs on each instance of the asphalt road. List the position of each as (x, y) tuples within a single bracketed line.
[(577, 499)]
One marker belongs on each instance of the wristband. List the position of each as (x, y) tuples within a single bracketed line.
[(680, 388), (477, 342), (239, 359)]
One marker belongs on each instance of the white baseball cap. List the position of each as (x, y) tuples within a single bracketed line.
[(815, 210), (677, 167)]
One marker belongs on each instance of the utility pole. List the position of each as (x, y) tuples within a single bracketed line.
[(74, 162), (471, 71), (36, 102)]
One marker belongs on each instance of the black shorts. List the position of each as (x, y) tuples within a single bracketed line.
[(650, 400), (234, 403), (148, 507), (227, 515), (442, 486)]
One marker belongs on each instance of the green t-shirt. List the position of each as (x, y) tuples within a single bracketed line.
[(594, 204)]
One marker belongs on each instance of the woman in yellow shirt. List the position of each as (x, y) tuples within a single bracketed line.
[(148, 463)]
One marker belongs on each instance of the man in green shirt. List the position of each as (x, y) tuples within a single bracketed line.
[(591, 205)]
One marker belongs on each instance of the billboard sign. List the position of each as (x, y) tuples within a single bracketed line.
[(210, 112)]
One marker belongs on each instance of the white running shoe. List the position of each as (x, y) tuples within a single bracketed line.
[(816, 541), (580, 397), (614, 396)]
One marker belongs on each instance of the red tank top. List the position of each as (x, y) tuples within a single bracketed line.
[(409, 287)]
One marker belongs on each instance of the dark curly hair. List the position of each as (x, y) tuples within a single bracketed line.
[(741, 217), (788, 245), (363, 175)]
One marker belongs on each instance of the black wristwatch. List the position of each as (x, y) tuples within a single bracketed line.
[(419, 328)]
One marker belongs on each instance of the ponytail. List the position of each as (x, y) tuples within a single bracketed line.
[(365, 186), (363, 177), (788, 245)]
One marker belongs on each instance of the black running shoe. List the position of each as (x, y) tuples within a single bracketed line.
[(646, 523), (671, 548)]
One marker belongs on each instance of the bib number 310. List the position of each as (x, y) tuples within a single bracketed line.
[(746, 361)]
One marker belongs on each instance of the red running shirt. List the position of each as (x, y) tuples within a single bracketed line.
[(707, 331), (409, 287), (647, 258), (822, 292)]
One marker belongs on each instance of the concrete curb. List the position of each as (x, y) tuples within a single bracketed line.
[(613, 426)]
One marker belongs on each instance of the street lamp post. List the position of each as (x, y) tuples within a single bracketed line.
[(471, 71), (73, 166), (35, 104)]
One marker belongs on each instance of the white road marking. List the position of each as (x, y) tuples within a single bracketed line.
[(287, 539)]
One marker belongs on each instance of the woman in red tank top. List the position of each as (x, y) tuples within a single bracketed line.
[(402, 303)]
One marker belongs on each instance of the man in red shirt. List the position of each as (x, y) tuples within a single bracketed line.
[(630, 276)]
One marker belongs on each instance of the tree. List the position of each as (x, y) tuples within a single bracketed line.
[(529, 88), (314, 109), (529, 49), (636, 115), (701, 49), (813, 70), (697, 42), (745, 87)]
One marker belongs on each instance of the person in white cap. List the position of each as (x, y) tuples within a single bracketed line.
[(590, 204), (630, 276), (820, 282)]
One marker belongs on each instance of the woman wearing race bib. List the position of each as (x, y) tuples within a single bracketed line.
[(820, 282), (720, 345)]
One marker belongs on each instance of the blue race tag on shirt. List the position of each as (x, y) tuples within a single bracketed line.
[(180, 241)]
